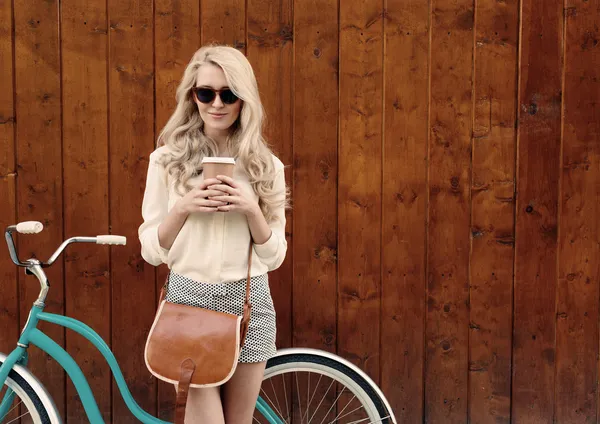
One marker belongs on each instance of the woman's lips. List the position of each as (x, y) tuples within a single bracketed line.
[(217, 115)]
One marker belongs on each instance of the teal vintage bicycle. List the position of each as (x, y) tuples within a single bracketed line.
[(299, 385)]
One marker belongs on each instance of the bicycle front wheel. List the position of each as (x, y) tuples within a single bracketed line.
[(305, 386), (20, 401)]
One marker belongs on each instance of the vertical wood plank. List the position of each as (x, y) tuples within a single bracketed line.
[(449, 211), (359, 185), (9, 319), (539, 136), (224, 22), (492, 205), (85, 118), (315, 115), (315, 174), (270, 51), (176, 38), (404, 185), (39, 166), (579, 229), (131, 137)]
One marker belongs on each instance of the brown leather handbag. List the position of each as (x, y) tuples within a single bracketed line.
[(195, 347)]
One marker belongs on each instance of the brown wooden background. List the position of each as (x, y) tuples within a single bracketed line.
[(445, 167)]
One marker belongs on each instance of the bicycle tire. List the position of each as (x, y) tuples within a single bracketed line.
[(307, 361), (29, 396)]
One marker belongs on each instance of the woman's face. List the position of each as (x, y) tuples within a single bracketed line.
[(217, 116)]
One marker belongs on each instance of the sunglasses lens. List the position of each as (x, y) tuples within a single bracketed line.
[(228, 97), (205, 95)]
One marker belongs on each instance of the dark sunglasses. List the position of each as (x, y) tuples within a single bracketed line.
[(207, 95)]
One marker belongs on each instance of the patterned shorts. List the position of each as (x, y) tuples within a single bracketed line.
[(229, 297)]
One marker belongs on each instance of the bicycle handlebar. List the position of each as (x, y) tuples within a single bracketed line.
[(29, 227), (35, 227)]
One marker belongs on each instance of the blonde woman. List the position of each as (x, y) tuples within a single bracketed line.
[(202, 228)]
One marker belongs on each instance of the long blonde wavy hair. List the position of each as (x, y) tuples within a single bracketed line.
[(184, 135)]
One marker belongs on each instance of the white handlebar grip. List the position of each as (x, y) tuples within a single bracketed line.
[(111, 240), (30, 227)]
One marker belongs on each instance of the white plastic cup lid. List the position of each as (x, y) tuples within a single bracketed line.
[(215, 159)]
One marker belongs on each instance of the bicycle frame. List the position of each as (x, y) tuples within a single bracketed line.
[(32, 335)]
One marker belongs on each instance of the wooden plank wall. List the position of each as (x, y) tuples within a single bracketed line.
[(444, 161)]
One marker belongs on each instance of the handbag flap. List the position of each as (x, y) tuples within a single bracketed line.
[(209, 338)]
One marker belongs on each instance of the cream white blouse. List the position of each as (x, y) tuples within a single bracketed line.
[(211, 247)]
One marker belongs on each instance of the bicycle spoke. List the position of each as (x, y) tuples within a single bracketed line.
[(333, 404), (307, 393), (370, 422), (287, 408), (272, 403), (10, 410), (269, 399), (299, 401), (331, 384), (276, 398), (343, 409), (313, 396), (19, 417)]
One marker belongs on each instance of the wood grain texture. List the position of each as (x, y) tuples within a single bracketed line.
[(131, 137), (448, 241), (579, 230), (85, 164), (539, 135), (270, 50), (176, 38), (223, 22), (39, 169), (492, 211), (315, 174), (468, 239), (404, 193), (9, 319), (359, 183)]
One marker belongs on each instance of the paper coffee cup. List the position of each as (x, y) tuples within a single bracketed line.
[(213, 166)]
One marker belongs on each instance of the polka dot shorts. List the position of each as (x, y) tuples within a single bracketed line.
[(229, 297)]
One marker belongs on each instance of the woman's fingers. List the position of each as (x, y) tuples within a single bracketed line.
[(223, 188), (211, 203), (227, 180), (207, 182), (208, 193), (226, 199)]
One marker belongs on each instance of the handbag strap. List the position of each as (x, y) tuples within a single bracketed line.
[(247, 301), (247, 306), (187, 371)]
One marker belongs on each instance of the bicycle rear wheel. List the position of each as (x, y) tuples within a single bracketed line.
[(20, 402), (302, 388)]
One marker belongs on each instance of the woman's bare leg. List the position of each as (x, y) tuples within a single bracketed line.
[(204, 406), (240, 393)]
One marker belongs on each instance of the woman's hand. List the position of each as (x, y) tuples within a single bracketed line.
[(199, 199), (234, 199)]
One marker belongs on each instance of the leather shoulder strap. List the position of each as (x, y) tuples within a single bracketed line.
[(187, 371), (247, 301)]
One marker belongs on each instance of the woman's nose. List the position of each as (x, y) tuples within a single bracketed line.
[(217, 102)]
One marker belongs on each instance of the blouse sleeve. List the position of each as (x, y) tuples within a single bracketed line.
[(272, 252), (154, 210)]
